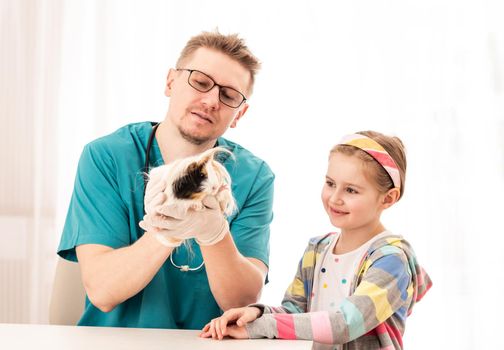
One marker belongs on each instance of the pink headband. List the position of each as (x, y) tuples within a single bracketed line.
[(375, 150)]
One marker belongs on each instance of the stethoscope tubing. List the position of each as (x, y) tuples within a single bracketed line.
[(183, 268), (146, 168)]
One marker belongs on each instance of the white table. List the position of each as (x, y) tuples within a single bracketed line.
[(34, 337)]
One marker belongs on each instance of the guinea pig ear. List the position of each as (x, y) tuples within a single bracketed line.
[(204, 159)]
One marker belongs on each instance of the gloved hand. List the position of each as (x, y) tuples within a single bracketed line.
[(172, 225), (154, 197), (154, 193)]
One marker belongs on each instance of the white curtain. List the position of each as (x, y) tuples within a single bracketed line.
[(30, 53), (430, 72)]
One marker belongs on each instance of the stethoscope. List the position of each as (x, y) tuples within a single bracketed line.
[(183, 268), (147, 156)]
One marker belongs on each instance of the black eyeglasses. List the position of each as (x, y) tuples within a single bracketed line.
[(203, 83)]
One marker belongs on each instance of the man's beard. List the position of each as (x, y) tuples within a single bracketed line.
[(193, 139)]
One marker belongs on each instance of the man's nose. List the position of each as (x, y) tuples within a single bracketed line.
[(211, 97)]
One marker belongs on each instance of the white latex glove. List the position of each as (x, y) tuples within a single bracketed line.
[(154, 197), (154, 194), (165, 237), (208, 226)]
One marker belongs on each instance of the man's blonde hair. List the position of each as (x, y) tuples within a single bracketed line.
[(230, 45)]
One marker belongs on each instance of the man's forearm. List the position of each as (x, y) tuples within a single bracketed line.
[(234, 280), (111, 276)]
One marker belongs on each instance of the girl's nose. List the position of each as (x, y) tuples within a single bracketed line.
[(336, 198)]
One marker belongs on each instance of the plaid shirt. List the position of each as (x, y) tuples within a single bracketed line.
[(386, 285)]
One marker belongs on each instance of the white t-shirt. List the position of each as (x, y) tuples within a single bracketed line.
[(335, 272)]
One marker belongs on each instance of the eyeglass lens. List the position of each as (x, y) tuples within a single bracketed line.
[(203, 83)]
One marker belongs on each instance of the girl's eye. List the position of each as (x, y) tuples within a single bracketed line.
[(351, 190), (329, 183)]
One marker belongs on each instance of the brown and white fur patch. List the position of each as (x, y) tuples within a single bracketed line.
[(191, 179)]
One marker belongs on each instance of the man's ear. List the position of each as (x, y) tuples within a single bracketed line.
[(169, 81), (390, 197), (239, 115)]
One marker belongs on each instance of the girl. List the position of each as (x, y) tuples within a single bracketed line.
[(353, 289)]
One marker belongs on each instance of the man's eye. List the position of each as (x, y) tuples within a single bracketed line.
[(204, 84), (229, 95)]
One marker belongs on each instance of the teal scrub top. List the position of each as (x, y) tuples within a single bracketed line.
[(107, 205)]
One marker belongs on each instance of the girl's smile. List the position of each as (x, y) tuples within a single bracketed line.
[(338, 212), (351, 199)]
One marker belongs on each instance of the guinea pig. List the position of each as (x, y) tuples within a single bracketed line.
[(191, 179)]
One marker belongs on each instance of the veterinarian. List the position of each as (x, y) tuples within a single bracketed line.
[(131, 278)]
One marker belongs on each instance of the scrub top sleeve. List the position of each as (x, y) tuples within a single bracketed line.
[(97, 214), (251, 227)]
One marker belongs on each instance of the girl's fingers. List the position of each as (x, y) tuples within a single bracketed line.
[(204, 334), (212, 329), (223, 325), (246, 317), (218, 327), (218, 330)]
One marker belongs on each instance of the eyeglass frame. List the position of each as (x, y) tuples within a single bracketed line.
[(214, 84)]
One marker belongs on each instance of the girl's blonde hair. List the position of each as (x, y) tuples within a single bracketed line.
[(230, 45), (394, 147)]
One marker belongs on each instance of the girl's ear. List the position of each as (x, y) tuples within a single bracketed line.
[(390, 197)]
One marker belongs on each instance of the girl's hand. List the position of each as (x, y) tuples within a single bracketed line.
[(232, 331), (231, 323)]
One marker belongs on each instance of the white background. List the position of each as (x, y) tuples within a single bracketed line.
[(430, 72)]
